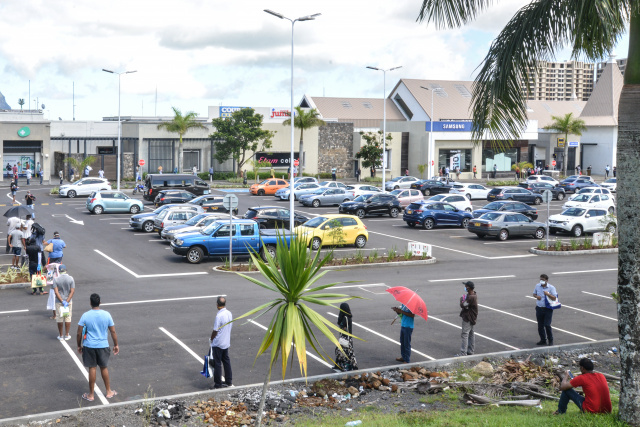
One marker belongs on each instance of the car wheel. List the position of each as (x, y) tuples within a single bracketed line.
[(316, 243), (503, 235), (611, 209), (537, 201), (260, 192), (360, 242), (611, 228), (427, 192), (360, 213), (411, 224), (346, 200), (480, 236), (468, 210), (147, 227), (71, 194), (98, 209), (464, 223), (560, 196), (396, 187), (269, 249), (134, 209), (428, 224), (393, 213), (539, 234), (315, 203), (577, 231), (468, 196), (195, 255)]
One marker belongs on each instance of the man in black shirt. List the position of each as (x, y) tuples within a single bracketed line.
[(30, 198)]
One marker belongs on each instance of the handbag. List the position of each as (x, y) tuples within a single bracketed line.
[(49, 247), (344, 342), (552, 305), (207, 370), (38, 281)]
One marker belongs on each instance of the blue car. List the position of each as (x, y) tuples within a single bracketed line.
[(429, 214)]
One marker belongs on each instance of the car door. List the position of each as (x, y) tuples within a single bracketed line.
[(414, 196), (120, 202), (283, 219), (269, 218), (450, 214), (246, 240), (338, 196), (526, 226), (107, 201), (512, 225), (592, 223), (349, 229), (605, 201), (218, 244)]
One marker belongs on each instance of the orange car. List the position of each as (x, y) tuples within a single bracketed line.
[(268, 187)]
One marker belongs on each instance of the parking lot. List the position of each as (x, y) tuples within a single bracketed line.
[(164, 307)]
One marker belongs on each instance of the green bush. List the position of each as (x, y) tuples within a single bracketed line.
[(502, 183)]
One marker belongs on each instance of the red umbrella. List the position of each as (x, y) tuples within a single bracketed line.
[(410, 299)]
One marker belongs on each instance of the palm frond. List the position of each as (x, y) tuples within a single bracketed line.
[(451, 13)]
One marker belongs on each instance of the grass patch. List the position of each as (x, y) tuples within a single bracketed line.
[(54, 191)]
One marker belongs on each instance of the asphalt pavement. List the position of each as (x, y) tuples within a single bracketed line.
[(164, 307)]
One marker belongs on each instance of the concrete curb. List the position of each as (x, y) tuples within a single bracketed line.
[(210, 393), (569, 253), (16, 285), (431, 260)]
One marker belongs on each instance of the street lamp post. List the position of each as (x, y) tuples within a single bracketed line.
[(431, 165), (292, 179), (119, 125), (384, 119)]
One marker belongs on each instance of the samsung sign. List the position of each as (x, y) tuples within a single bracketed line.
[(449, 126), (227, 111)]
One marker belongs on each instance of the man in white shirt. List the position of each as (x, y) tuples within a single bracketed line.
[(220, 343), (12, 224), (544, 291)]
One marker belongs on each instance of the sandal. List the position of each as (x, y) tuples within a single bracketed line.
[(115, 393), (86, 397)]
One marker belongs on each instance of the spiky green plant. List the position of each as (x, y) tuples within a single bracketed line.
[(542, 245), (558, 245), (587, 243), (574, 244)]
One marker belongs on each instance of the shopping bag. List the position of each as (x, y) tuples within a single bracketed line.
[(64, 311), (48, 247), (553, 305), (38, 281), (207, 370)]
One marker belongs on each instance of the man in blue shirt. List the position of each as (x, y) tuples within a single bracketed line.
[(542, 292), (406, 329), (220, 343), (93, 344)]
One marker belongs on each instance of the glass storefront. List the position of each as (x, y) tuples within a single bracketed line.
[(504, 159), (452, 158)]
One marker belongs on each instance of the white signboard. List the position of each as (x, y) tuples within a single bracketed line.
[(419, 249)]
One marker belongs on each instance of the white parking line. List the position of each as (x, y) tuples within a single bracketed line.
[(311, 355), (359, 286), (74, 356), (144, 276), (183, 345), (533, 321), (579, 309), (475, 333), (597, 295), (13, 311), (162, 300), (470, 278), (528, 242), (118, 223), (385, 337), (360, 249), (586, 271)]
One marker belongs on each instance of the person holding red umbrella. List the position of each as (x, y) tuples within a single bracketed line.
[(406, 329)]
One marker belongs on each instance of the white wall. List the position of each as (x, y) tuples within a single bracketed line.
[(418, 113), (602, 154)]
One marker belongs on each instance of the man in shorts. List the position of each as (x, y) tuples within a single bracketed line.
[(64, 287), (93, 344), (16, 242)]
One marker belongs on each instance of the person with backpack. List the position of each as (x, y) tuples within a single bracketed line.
[(14, 189)]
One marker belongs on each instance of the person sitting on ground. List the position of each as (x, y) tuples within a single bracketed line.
[(594, 385)]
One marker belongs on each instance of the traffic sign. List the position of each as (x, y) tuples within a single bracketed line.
[(141, 162), (547, 195), (296, 162), (230, 202), (553, 163)]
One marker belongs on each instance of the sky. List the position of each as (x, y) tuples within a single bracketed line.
[(200, 53)]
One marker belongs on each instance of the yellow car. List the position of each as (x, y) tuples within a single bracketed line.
[(324, 231)]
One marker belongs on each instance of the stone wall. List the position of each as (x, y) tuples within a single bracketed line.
[(335, 149)]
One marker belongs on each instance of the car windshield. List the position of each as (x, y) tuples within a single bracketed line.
[(587, 190), (437, 198), (163, 214), (397, 178), (583, 198), (362, 197), (493, 206), (319, 191), (573, 212), (315, 222), (569, 180), (323, 183), (195, 219), (491, 216), (458, 186), (396, 192), (611, 181)]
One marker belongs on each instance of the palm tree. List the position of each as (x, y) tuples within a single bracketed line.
[(290, 275), (568, 126), (21, 103), (591, 28), (78, 165), (180, 125), (304, 120)]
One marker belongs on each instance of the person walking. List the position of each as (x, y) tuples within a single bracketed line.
[(28, 173), (64, 287), (138, 175), (16, 243), (446, 172), (40, 174), (14, 189), (596, 399), (58, 245), (101, 174), (475, 172), (542, 291), (195, 170), (469, 314), (406, 329), (358, 172), (495, 170), (614, 171), (93, 344), (606, 172), (345, 358), (406, 172), (333, 174), (61, 175), (36, 257), (29, 199), (220, 343)]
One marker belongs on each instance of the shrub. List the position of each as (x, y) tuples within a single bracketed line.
[(587, 243), (558, 245), (574, 244), (542, 245), (501, 183), (54, 190)]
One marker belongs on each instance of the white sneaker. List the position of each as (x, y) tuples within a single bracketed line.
[(67, 338), (60, 338)]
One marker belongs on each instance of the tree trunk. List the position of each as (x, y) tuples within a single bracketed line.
[(180, 154), (565, 161), (265, 387), (628, 159), (300, 154)]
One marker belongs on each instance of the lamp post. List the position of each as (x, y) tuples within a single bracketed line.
[(431, 164), (292, 179), (119, 125), (384, 119)]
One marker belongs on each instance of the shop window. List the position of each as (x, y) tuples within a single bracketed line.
[(160, 155), (452, 158), (189, 159), (504, 159)]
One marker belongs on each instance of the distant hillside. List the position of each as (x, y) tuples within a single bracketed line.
[(3, 103)]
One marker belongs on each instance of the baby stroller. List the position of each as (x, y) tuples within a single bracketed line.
[(52, 271)]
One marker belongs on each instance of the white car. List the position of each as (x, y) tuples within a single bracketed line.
[(84, 187), (610, 184), (459, 201), (400, 182), (592, 190), (359, 189), (592, 201), (470, 190), (542, 178), (578, 221)]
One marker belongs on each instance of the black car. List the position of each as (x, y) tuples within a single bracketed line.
[(273, 217), (165, 197), (372, 204), (507, 206), (211, 203), (514, 193), (558, 193), (429, 187)]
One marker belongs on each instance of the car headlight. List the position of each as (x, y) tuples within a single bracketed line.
[(565, 223), (179, 242)]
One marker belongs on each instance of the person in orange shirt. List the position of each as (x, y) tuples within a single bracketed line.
[(594, 385)]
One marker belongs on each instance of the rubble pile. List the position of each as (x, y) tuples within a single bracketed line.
[(525, 372)]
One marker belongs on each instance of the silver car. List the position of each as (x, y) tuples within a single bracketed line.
[(302, 189), (400, 182), (172, 217), (144, 221), (326, 196), (193, 224), (503, 225)]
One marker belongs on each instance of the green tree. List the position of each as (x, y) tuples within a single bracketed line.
[(521, 166), (21, 103), (567, 125), (421, 169), (236, 135), (304, 120), (591, 28), (181, 125), (371, 152), (291, 275), (78, 165)]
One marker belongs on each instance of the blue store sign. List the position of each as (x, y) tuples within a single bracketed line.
[(449, 126), (227, 111)]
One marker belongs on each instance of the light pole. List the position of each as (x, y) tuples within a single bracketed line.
[(119, 125), (384, 119), (431, 164), (292, 180)]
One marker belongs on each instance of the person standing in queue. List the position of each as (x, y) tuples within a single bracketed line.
[(469, 314), (220, 343), (406, 330), (58, 245), (541, 292)]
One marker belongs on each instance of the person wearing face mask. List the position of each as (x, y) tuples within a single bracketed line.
[(544, 290)]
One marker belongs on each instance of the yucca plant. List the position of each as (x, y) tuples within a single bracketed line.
[(587, 243), (558, 245), (293, 321), (542, 245)]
